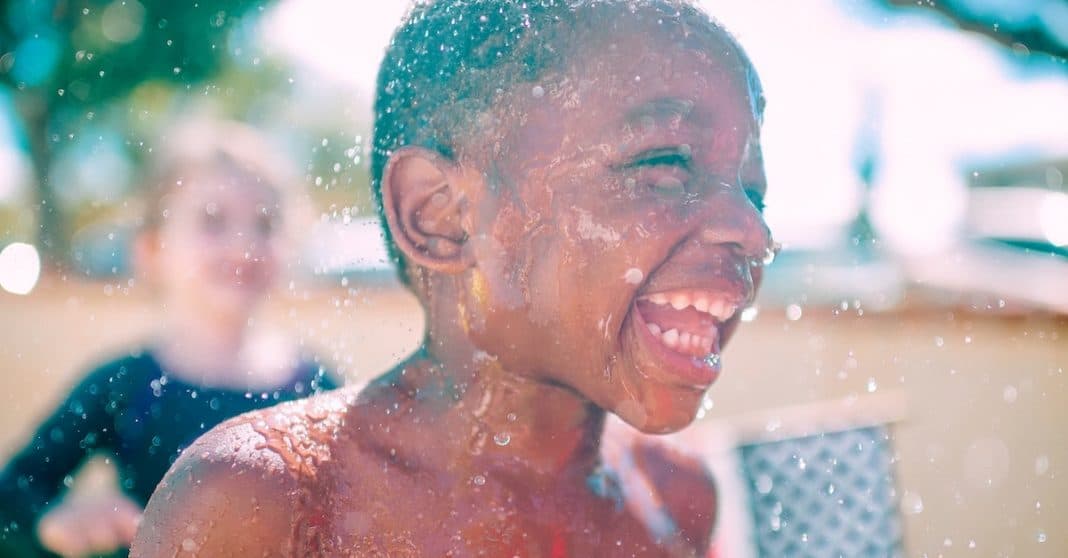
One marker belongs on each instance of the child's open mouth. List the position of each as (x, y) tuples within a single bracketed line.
[(685, 327)]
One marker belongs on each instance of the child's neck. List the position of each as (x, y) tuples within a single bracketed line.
[(522, 425), (203, 349), (501, 422)]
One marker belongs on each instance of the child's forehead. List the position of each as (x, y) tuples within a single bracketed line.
[(678, 42), (224, 184), (654, 73)]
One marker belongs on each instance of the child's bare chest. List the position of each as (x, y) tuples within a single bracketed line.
[(399, 516)]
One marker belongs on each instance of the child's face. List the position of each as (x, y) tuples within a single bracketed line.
[(620, 190), (217, 249)]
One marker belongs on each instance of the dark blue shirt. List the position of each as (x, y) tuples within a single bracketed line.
[(133, 410)]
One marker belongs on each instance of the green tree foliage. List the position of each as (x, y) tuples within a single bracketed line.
[(65, 61)]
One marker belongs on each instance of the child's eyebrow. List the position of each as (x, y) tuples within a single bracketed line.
[(665, 108)]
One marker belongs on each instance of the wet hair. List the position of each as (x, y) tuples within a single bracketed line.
[(450, 60), (200, 145)]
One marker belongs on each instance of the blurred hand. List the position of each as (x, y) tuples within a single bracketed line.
[(90, 525)]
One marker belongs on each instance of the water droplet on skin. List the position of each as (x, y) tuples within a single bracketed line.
[(479, 480), (502, 438), (633, 276), (511, 417), (537, 92), (1041, 537)]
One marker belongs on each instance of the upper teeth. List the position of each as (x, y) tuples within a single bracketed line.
[(708, 303)]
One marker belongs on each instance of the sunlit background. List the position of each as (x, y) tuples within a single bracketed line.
[(916, 154)]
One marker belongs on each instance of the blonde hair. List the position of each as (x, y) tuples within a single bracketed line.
[(212, 144)]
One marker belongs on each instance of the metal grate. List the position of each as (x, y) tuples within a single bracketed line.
[(827, 495)]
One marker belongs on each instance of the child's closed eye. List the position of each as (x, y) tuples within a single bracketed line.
[(662, 169)]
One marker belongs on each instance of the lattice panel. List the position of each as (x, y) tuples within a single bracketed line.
[(824, 496)]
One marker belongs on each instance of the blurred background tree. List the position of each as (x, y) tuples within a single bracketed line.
[(101, 79)]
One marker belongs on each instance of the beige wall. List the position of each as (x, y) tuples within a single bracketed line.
[(981, 445)]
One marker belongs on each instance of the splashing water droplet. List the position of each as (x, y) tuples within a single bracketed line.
[(872, 385), (479, 480), (764, 484), (912, 503), (502, 438), (770, 253), (1041, 465), (750, 313)]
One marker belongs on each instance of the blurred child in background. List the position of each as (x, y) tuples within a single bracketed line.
[(210, 247)]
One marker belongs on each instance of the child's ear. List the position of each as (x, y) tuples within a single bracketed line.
[(423, 204)]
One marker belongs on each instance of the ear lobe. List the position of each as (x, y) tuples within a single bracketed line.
[(423, 207)]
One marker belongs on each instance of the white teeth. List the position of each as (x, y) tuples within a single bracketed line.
[(716, 308), (654, 329), (684, 340), (671, 338), (712, 304)]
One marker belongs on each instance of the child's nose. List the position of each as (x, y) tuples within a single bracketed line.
[(729, 218)]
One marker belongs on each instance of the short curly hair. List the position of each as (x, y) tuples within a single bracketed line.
[(450, 60)]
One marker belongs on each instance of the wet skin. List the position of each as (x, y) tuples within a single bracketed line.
[(539, 254)]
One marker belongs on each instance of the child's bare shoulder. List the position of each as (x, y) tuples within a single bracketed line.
[(245, 478), (676, 481), (684, 484)]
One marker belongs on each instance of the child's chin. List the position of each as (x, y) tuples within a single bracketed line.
[(665, 418), (237, 298)]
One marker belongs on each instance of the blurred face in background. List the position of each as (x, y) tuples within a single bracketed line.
[(217, 247)]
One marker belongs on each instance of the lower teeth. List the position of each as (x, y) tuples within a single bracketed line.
[(712, 360)]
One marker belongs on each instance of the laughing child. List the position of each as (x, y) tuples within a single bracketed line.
[(573, 191)]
